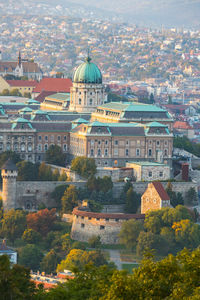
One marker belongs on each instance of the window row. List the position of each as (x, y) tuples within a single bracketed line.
[(45, 147), (150, 152), (16, 147), (158, 143), (52, 138)]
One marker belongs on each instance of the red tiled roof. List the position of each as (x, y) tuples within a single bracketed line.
[(56, 85), (31, 83), (181, 125), (82, 213), (160, 190), (43, 95)]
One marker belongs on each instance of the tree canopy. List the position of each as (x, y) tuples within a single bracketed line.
[(84, 166), (55, 156)]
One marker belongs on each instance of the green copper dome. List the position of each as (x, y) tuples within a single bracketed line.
[(87, 72)]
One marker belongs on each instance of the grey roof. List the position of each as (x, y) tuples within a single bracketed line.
[(9, 165)]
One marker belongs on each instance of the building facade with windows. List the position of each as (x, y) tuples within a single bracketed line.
[(113, 133), (115, 144)]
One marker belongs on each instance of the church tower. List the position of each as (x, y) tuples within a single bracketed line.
[(19, 68), (87, 91), (9, 176)]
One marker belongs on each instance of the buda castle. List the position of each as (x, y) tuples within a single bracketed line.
[(112, 133)]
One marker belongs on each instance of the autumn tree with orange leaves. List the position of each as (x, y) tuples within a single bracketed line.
[(42, 221)]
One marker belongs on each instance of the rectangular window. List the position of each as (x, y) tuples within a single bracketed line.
[(116, 143), (127, 152), (161, 174), (59, 138), (39, 138), (150, 174), (115, 151), (102, 227), (82, 225), (46, 138), (137, 152)]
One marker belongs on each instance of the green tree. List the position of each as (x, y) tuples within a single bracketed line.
[(57, 194), (132, 201), (55, 175), (15, 282), (30, 256), (69, 199), (45, 173), (84, 166), (77, 259), (94, 241), (31, 236), (4, 156), (5, 92), (27, 171), (13, 224), (49, 262), (62, 177), (187, 234), (151, 98), (15, 92), (151, 241), (191, 196), (129, 233), (55, 156)]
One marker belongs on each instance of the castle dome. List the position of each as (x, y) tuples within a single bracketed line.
[(87, 72)]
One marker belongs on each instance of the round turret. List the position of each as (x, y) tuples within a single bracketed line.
[(9, 175)]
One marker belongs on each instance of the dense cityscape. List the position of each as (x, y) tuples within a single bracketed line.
[(99, 153)]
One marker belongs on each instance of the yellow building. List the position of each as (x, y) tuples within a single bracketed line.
[(23, 86)]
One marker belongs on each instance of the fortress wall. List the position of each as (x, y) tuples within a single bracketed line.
[(40, 191), (109, 234)]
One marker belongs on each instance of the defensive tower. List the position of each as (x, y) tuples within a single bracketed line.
[(9, 176)]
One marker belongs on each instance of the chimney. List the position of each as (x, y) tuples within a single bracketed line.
[(185, 172)]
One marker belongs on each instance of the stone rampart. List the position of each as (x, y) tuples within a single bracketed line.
[(107, 226)]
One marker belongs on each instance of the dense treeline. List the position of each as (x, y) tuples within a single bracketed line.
[(43, 241), (167, 230), (186, 144), (174, 277)]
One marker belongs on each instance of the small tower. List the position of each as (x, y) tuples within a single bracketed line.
[(9, 176), (19, 59), (19, 68)]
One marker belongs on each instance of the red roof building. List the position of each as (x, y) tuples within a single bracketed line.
[(22, 83), (183, 129), (55, 85), (155, 197)]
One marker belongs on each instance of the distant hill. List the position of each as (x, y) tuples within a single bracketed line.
[(179, 13)]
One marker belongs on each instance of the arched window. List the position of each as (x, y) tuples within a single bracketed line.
[(150, 152), (23, 147), (99, 152), (29, 147)]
